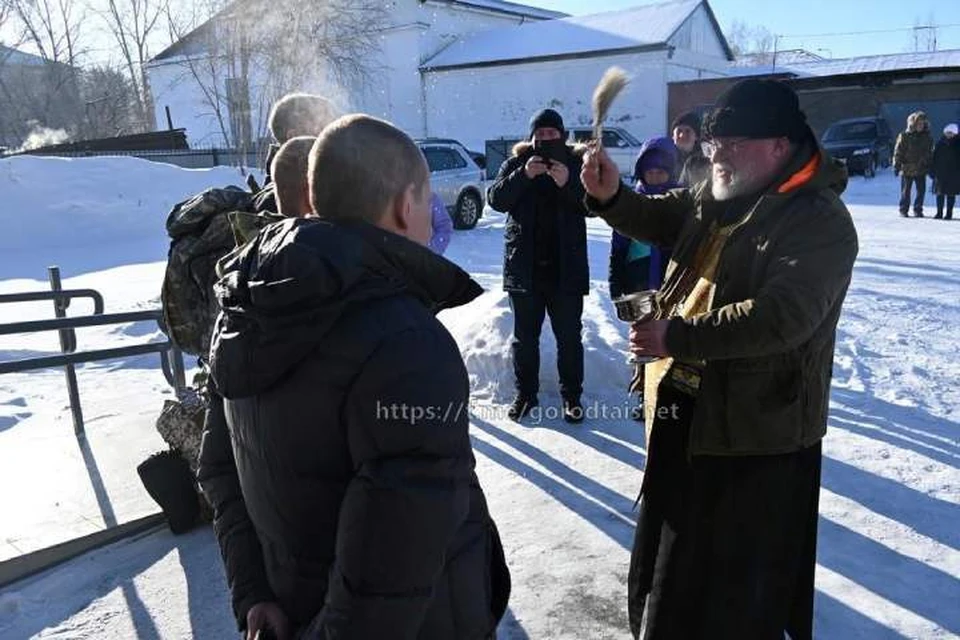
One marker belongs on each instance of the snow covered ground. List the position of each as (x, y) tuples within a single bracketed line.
[(889, 553)]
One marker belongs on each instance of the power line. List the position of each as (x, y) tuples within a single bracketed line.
[(871, 32)]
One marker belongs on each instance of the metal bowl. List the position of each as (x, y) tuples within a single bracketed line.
[(636, 307)]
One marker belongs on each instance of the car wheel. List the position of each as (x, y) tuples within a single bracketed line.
[(871, 169), (468, 211)]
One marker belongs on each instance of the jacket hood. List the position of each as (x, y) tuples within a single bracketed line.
[(662, 145), (812, 167), (284, 291)]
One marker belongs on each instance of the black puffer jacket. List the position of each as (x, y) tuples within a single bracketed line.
[(528, 204), (345, 490), (946, 166)]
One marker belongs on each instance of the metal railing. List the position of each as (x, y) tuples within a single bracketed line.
[(171, 359), (201, 158)]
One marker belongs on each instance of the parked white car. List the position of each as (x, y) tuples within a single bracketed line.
[(622, 147), (457, 178)]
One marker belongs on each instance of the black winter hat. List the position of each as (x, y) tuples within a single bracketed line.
[(757, 109), (690, 118), (547, 118)]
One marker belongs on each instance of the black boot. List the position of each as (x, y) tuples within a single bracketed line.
[(572, 410), (521, 406)]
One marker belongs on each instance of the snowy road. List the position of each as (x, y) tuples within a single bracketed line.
[(889, 547)]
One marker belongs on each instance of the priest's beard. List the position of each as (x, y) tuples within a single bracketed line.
[(730, 182)]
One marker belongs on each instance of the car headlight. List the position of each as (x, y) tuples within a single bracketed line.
[(862, 152)]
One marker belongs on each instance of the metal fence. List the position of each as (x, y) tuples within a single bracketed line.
[(171, 359), (186, 158)]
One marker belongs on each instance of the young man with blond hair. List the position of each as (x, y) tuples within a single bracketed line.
[(289, 170), (346, 502)]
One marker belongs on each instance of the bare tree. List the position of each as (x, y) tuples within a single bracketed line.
[(111, 102), (264, 49), (746, 40), (216, 56), (132, 23), (45, 95), (51, 27)]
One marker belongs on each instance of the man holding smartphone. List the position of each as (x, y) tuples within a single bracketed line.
[(545, 262)]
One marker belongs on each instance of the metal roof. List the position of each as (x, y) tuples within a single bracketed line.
[(879, 63), (8, 55), (645, 26), (187, 42), (509, 7), (859, 65)]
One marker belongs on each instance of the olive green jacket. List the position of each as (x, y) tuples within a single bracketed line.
[(768, 339), (913, 153)]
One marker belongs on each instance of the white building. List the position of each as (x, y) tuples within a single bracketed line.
[(417, 30), (477, 69), (487, 85)]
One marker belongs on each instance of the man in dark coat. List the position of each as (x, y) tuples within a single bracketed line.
[(912, 155), (695, 168), (339, 464), (946, 170), (293, 115), (737, 401), (545, 267)]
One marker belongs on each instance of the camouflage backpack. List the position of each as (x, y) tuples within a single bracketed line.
[(203, 229)]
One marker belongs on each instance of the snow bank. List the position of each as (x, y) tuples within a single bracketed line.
[(54, 208)]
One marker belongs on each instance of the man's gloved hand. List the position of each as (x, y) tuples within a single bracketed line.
[(535, 167), (560, 173), (267, 621)]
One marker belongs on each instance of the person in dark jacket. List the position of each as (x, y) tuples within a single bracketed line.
[(737, 400), (293, 115), (545, 267), (636, 265), (912, 155), (339, 464), (946, 170), (695, 168), (289, 170)]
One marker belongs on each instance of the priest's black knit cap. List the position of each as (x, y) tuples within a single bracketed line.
[(547, 118), (757, 109)]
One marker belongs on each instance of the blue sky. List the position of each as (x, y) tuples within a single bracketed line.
[(796, 20)]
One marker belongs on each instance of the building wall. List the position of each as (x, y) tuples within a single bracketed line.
[(938, 96), (697, 35), (418, 31), (826, 100), (474, 105)]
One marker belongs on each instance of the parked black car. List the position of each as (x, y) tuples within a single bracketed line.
[(863, 144)]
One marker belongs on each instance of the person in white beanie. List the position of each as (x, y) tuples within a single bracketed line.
[(945, 170)]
